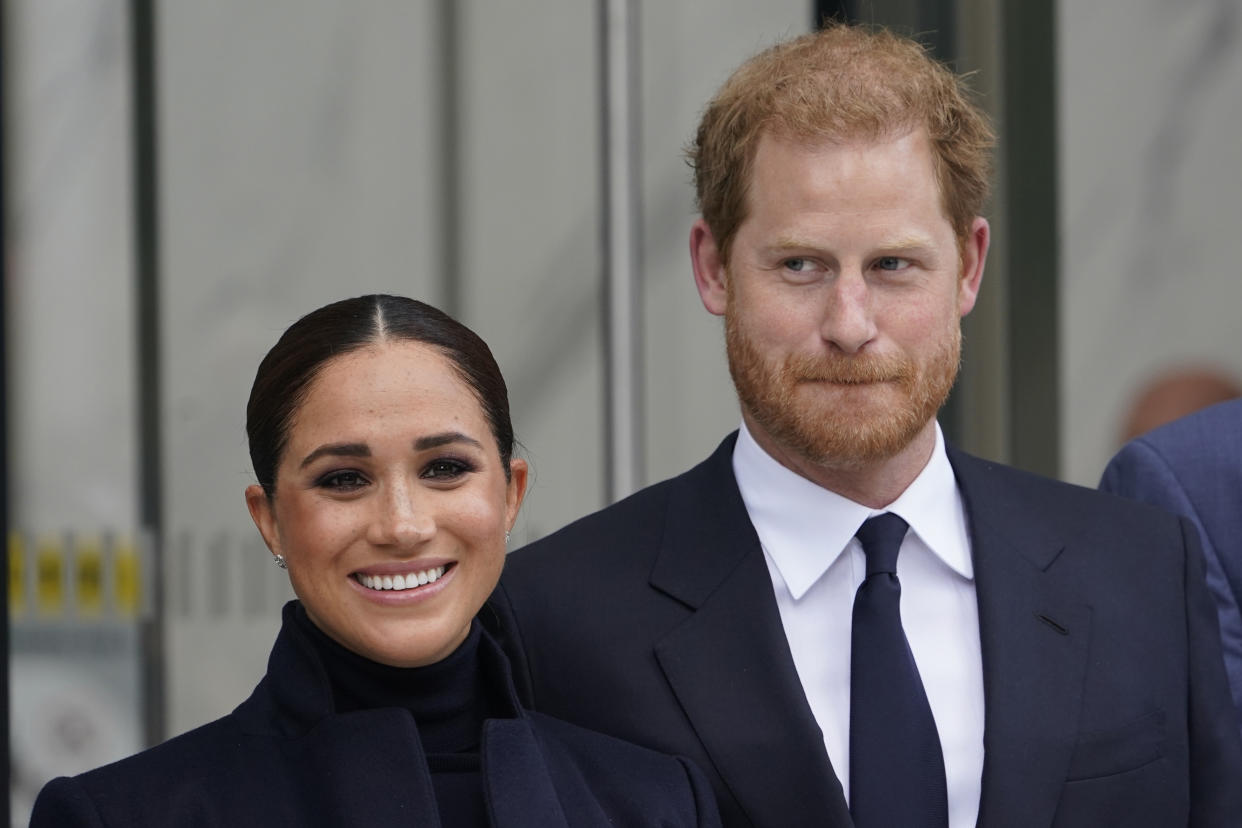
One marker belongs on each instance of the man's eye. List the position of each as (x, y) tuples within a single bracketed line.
[(342, 481), (446, 469), (797, 265), (892, 263)]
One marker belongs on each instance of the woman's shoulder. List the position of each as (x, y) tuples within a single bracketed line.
[(140, 789)]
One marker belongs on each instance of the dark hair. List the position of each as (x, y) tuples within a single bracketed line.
[(286, 373)]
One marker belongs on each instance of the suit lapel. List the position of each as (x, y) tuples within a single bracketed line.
[(1034, 632), (729, 662)]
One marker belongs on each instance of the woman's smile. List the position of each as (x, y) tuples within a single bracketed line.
[(402, 585)]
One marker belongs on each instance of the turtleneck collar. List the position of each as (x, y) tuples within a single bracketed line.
[(448, 699)]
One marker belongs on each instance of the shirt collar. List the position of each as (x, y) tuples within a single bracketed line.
[(804, 527)]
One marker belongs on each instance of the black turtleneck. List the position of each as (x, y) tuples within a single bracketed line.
[(448, 700)]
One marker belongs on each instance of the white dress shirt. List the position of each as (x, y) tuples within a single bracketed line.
[(817, 564)]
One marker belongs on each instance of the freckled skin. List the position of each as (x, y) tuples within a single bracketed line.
[(843, 297), (340, 513)]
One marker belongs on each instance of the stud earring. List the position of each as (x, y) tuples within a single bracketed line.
[(279, 560)]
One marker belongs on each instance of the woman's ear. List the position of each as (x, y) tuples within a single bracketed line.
[(515, 492), (264, 518)]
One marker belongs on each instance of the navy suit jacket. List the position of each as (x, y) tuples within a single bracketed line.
[(655, 620), (284, 758), (1193, 467)]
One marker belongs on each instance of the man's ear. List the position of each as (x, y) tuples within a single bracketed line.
[(262, 515), (974, 254), (709, 270)]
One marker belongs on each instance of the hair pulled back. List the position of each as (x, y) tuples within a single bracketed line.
[(286, 373)]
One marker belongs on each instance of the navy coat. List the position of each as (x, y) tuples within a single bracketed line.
[(284, 758), (1105, 693), (1193, 467)]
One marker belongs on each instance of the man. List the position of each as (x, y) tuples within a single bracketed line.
[(1193, 467), (1066, 668)]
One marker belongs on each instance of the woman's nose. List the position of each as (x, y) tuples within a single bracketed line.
[(401, 521)]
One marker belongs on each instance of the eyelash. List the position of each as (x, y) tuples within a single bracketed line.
[(898, 260), (335, 481), (443, 469), (446, 468), (807, 264)]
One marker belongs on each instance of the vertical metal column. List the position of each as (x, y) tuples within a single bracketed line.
[(150, 427), (4, 432), (621, 237), (448, 185), (1029, 132)]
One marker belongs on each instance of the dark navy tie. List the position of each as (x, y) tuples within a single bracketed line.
[(896, 766)]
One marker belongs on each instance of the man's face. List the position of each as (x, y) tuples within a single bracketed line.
[(842, 299)]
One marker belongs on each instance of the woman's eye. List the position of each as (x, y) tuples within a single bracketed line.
[(342, 481), (445, 469), (892, 263)]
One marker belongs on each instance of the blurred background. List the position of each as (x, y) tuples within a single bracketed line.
[(183, 180)]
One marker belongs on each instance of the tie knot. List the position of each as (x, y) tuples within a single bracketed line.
[(881, 538)]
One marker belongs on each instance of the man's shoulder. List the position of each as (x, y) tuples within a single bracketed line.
[(1210, 438), (1197, 452), (1005, 490), (1211, 424), (633, 523)]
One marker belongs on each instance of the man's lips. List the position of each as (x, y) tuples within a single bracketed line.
[(848, 381)]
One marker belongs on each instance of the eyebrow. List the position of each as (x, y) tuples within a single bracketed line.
[(363, 450), (337, 450), (443, 439), (914, 241)]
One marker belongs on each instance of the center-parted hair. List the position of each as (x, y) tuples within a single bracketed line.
[(286, 373), (844, 83)]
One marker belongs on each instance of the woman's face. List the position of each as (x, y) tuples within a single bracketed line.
[(391, 504)]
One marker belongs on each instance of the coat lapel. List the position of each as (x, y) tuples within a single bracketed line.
[(361, 769), (520, 792), (729, 663), (1034, 632)]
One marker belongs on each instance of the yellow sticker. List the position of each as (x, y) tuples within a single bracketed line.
[(128, 578), (49, 575), (17, 573), (88, 575)]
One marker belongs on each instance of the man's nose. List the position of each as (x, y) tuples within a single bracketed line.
[(848, 322)]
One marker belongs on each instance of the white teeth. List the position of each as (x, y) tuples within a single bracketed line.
[(398, 583)]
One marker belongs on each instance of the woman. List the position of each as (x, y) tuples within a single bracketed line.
[(380, 436)]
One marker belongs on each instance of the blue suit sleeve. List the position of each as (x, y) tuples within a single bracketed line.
[(1216, 749), (1141, 472)]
